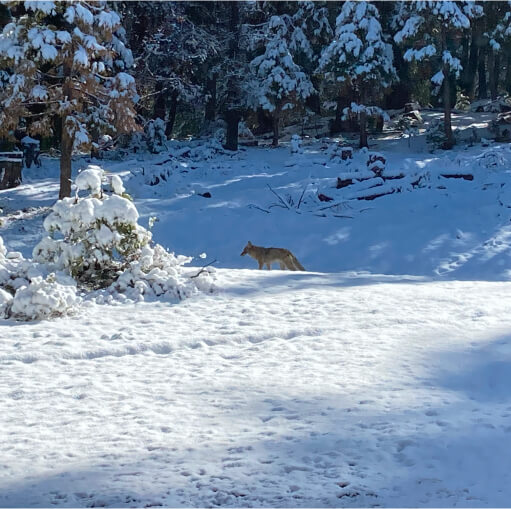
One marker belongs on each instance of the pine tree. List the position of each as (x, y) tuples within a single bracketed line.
[(279, 82), (499, 37), (171, 56), (70, 60), (360, 58), (432, 28)]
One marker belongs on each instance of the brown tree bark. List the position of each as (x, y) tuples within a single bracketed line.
[(276, 122), (232, 118), (470, 70), (66, 144), (449, 137)]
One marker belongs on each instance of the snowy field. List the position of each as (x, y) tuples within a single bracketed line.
[(380, 377)]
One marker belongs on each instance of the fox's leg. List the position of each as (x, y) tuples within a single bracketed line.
[(282, 265), (268, 265), (260, 264)]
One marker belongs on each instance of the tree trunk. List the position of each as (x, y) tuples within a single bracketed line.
[(172, 113), (336, 123), (10, 172), (507, 83), (363, 130), (470, 71), (446, 69), (66, 144), (481, 70), (66, 151), (494, 75), (449, 137), (276, 122), (232, 119), (210, 113)]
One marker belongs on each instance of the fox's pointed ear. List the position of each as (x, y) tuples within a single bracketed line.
[(249, 243)]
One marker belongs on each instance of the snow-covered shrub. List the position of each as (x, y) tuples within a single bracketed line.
[(155, 135), (296, 144), (5, 303), (92, 238), (98, 242), (159, 273), (28, 292), (219, 135), (44, 298), (134, 142), (208, 150), (435, 134), (462, 101), (408, 126)]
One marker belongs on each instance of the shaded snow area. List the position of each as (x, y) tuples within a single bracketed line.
[(379, 377)]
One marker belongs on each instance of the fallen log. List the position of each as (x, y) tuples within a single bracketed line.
[(458, 176)]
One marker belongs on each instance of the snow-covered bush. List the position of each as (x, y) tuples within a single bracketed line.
[(92, 238), (28, 292), (155, 135), (158, 273), (44, 298), (97, 240), (135, 142), (435, 134)]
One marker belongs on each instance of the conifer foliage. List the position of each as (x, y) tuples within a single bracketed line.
[(432, 28), (279, 81), (360, 57), (68, 59)]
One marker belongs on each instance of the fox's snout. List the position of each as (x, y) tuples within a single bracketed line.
[(243, 253)]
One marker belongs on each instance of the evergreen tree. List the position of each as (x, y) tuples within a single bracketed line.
[(171, 56), (360, 57), (70, 60), (433, 29), (499, 39), (279, 82)]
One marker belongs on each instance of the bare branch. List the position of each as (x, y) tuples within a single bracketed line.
[(280, 199)]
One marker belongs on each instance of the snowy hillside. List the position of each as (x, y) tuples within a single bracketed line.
[(379, 377)]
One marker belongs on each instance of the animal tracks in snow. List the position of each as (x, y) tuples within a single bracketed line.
[(306, 394)]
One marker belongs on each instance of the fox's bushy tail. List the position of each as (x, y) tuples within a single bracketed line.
[(297, 264)]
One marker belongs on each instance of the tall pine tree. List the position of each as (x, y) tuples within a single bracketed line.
[(279, 81), (68, 59), (360, 58), (432, 29)]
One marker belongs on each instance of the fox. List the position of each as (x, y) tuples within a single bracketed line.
[(268, 255)]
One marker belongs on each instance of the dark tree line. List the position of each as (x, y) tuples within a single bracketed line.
[(266, 63)]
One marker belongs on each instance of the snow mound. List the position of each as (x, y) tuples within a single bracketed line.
[(90, 180), (28, 292), (45, 298)]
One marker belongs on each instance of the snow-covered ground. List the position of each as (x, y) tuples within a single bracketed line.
[(379, 378)]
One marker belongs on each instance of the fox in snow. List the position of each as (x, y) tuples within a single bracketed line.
[(268, 255)]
